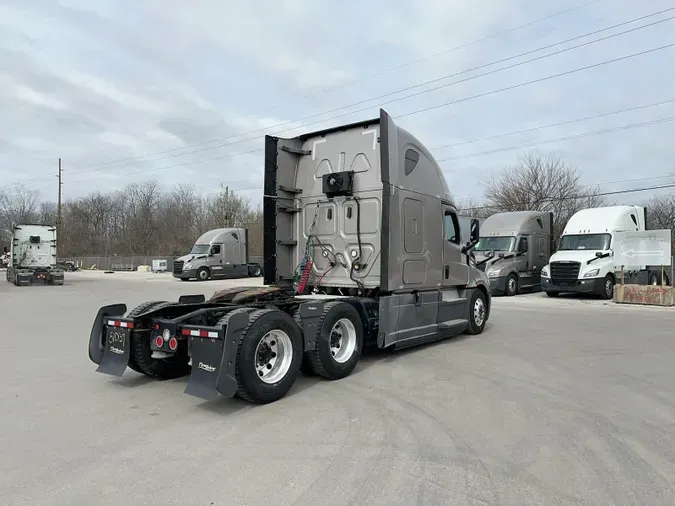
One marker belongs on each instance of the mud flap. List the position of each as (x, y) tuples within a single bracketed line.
[(116, 351), (96, 337), (214, 361)]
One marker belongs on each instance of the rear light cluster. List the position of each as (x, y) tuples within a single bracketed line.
[(165, 337)]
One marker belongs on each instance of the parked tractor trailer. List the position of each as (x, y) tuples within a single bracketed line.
[(362, 248), (32, 256), (217, 254), (513, 249), (583, 262)]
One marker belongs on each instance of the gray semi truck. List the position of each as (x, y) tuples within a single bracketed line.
[(32, 256), (218, 253), (513, 249), (362, 248)]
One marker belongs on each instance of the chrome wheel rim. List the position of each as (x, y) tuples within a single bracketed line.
[(273, 356), (342, 340), (479, 312), (512, 285), (609, 289)]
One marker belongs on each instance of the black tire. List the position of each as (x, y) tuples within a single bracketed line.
[(203, 274), (250, 386), (255, 271), (607, 290), (306, 366), (511, 288), (322, 358), (478, 311), (552, 294), (140, 358)]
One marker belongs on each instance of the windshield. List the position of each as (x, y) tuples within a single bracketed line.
[(496, 244), (585, 241), (199, 249)]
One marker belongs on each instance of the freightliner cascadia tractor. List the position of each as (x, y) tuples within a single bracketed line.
[(362, 248)]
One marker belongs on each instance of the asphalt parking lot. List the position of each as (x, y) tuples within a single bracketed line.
[(559, 401)]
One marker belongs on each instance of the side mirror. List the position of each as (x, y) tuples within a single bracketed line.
[(474, 231), (211, 253)]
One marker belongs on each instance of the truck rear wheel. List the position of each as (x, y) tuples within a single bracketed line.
[(254, 271), (140, 358), (269, 356), (339, 343)]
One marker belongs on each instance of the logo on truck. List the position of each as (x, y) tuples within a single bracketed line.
[(206, 367)]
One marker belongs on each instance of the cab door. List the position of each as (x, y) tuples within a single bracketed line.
[(455, 269)]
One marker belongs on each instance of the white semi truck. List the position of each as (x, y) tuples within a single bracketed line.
[(32, 255), (583, 262)]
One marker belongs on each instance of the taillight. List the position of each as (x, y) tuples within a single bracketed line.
[(173, 344), (159, 341)]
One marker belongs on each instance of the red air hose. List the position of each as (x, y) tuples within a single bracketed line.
[(305, 276)]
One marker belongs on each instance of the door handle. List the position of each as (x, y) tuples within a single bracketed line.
[(447, 271)]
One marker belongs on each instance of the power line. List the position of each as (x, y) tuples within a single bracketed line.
[(572, 197), (620, 128), (552, 125), (465, 99), (408, 88), (376, 74)]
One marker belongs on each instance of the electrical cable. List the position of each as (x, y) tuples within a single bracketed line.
[(572, 197), (519, 55), (551, 125), (561, 139), (426, 109), (376, 74)]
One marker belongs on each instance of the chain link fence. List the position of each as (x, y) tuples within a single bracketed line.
[(128, 263)]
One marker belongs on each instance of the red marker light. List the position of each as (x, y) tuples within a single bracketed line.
[(159, 341), (173, 344), (156, 326)]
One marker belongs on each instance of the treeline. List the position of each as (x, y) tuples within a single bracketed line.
[(141, 219), (148, 219)]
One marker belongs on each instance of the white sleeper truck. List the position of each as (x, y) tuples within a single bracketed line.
[(584, 261), (33, 256)]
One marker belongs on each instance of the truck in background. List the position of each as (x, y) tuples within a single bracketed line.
[(32, 256), (364, 214), (583, 262), (217, 254), (513, 249)]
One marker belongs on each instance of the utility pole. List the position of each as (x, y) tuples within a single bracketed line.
[(58, 208), (227, 204)]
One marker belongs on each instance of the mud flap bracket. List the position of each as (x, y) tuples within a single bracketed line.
[(310, 314)]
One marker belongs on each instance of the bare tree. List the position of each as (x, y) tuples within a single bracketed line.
[(542, 183), (473, 208), (22, 205)]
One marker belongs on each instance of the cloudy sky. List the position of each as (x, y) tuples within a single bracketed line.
[(175, 91)]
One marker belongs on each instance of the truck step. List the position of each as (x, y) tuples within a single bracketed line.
[(287, 209), (288, 243), (453, 324)]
